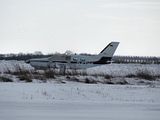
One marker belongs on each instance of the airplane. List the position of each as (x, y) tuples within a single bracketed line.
[(76, 61)]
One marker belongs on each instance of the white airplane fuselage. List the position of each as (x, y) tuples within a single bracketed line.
[(76, 61)]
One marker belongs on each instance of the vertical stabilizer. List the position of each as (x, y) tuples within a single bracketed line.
[(109, 50)]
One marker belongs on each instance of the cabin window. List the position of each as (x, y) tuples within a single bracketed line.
[(75, 59), (82, 60)]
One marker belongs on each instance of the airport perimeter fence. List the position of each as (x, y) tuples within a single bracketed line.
[(136, 59)]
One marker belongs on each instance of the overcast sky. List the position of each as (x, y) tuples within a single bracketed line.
[(82, 26)]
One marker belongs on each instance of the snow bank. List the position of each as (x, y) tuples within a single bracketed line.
[(109, 69), (13, 65), (124, 69)]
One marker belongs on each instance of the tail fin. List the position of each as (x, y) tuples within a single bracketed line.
[(110, 49)]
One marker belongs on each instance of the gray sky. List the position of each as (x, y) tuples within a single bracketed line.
[(82, 26)]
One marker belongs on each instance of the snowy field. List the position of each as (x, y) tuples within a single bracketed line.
[(76, 100), (133, 74), (46, 101), (124, 69), (111, 69), (12, 65)]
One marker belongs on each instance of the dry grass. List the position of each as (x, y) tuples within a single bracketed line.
[(5, 79)]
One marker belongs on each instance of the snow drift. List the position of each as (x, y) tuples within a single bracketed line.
[(13, 66)]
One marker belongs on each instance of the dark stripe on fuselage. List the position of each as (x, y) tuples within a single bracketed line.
[(103, 60)]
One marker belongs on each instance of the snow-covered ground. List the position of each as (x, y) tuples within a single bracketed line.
[(76, 101), (110, 69), (125, 69), (14, 65), (117, 73)]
